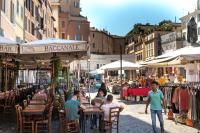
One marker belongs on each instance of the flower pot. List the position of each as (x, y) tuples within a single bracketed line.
[(189, 122)]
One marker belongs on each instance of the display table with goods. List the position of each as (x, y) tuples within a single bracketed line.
[(138, 91)]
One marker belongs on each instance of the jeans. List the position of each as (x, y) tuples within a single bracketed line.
[(153, 118)]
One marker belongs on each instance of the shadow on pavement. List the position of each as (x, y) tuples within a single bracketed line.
[(130, 124)]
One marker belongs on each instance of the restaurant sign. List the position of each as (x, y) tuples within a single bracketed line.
[(8, 49), (52, 48)]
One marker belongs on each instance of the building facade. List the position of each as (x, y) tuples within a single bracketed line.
[(8, 19), (97, 61), (171, 41), (153, 44), (139, 49), (55, 6), (38, 20), (186, 19), (102, 42), (25, 21), (71, 24)]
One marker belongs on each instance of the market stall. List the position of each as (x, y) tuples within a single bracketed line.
[(182, 97)]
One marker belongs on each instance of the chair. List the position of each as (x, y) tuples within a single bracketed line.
[(28, 99), (71, 126), (25, 103), (17, 117), (9, 104), (113, 122), (2, 102), (97, 101), (26, 124), (62, 118), (44, 126)]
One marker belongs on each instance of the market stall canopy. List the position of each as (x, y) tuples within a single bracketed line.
[(183, 52), (8, 46), (53, 45), (158, 62), (125, 66), (97, 71)]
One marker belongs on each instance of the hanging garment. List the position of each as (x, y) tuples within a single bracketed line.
[(175, 99), (183, 99), (194, 108), (198, 105), (174, 110), (189, 114), (192, 73), (168, 96)]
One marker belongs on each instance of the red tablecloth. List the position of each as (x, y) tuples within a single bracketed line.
[(138, 91)]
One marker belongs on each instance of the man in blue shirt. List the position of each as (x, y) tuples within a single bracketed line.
[(72, 106), (156, 99)]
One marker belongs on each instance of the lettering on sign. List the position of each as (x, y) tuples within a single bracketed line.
[(6, 49), (62, 48)]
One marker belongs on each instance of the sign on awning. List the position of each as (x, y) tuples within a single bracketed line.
[(52, 48), (9, 49)]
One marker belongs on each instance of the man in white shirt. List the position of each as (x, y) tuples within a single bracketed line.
[(109, 104)]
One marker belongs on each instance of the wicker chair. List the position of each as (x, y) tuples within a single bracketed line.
[(44, 126), (9, 104), (26, 124), (71, 126), (113, 122)]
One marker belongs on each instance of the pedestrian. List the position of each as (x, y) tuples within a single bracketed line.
[(156, 101), (103, 88)]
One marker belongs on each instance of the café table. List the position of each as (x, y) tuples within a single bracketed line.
[(37, 102), (34, 110), (2, 95), (39, 97), (89, 111)]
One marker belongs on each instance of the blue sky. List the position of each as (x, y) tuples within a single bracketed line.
[(119, 16)]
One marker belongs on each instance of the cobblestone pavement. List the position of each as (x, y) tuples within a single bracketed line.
[(134, 120)]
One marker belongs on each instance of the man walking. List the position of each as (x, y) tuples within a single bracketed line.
[(156, 99)]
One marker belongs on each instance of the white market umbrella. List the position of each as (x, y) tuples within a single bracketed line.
[(125, 66), (97, 71)]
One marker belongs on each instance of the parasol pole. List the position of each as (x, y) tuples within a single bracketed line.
[(6, 75), (121, 63)]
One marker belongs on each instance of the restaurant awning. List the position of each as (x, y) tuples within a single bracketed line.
[(8, 46), (42, 51), (53, 45)]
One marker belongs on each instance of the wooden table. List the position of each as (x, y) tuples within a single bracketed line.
[(2, 95), (92, 110), (34, 110), (37, 102), (39, 98), (85, 101)]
